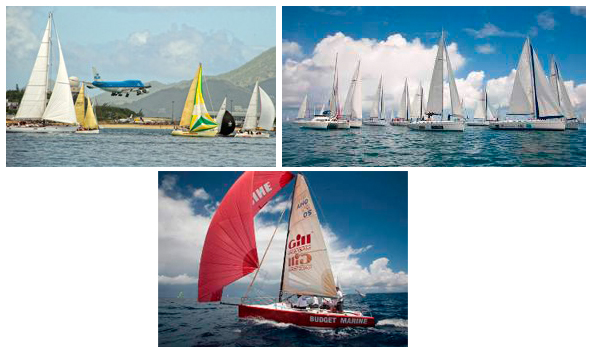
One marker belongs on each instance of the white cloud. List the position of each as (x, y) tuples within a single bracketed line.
[(485, 49), (201, 194), (180, 279), (395, 58), (21, 42), (291, 49), (578, 10), (139, 38), (546, 21), (276, 205), (181, 234), (490, 29)]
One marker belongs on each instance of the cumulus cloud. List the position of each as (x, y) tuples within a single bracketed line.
[(201, 194), (485, 49), (291, 49), (181, 234), (490, 29), (395, 58), (546, 21), (578, 10), (139, 38), (21, 42)]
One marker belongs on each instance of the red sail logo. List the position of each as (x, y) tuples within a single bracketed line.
[(300, 241)]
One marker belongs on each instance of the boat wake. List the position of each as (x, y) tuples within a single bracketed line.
[(401, 323)]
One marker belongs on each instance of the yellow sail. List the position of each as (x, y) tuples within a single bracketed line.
[(90, 119), (79, 106), (187, 111), (200, 120)]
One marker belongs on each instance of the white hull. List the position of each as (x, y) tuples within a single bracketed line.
[(375, 123), (356, 123), (478, 124), (41, 129), (338, 124), (399, 123), (95, 131), (437, 125), (532, 124), (261, 135), (300, 121), (572, 124), (314, 125)]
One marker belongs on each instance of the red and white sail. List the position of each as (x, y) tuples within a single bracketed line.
[(229, 252)]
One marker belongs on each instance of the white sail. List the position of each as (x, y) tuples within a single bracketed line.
[(267, 111), (307, 268), (34, 99), (302, 108), (334, 96), (221, 112), (435, 94), (560, 93), (418, 104), (353, 103), (521, 99), (456, 105), (480, 108), (548, 106), (61, 104), (322, 110), (377, 108), (252, 112), (404, 107)]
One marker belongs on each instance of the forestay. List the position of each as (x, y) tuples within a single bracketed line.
[(306, 268)]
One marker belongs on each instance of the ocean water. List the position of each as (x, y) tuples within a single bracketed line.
[(184, 322), (400, 146), (137, 147)]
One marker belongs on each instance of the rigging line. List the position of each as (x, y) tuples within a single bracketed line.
[(208, 92), (267, 247)]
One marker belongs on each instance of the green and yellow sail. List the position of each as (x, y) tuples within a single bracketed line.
[(200, 119)]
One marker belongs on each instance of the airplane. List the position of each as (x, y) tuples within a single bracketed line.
[(117, 88)]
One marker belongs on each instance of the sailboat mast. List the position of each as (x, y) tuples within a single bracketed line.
[(442, 78), (287, 239), (534, 81), (48, 62), (557, 77)]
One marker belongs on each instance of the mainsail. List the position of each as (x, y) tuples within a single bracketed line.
[(353, 104), (334, 103), (200, 120), (34, 99), (229, 252), (306, 267), (483, 110), (187, 111), (404, 108), (221, 111), (418, 104), (302, 108), (560, 93), (377, 109), (252, 112), (267, 111), (435, 104)]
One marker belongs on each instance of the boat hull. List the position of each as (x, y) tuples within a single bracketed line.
[(380, 123), (41, 129), (401, 123), (94, 131), (549, 125), (315, 125), (338, 124), (356, 123), (443, 125), (308, 318), (571, 124), (206, 133), (261, 135), (478, 124)]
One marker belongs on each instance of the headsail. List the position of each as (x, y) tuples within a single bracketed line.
[(334, 103), (90, 118), (560, 93), (252, 112), (201, 120), (353, 104), (229, 252), (456, 105), (80, 107), (61, 104), (418, 104), (404, 108), (34, 99), (377, 109), (480, 108), (306, 268), (302, 108), (221, 111), (267, 111)]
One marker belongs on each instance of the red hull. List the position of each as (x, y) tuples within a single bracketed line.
[(303, 318)]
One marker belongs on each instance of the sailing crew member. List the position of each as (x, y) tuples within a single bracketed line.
[(325, 304), (301, 302), (315, 303), (340, 299)]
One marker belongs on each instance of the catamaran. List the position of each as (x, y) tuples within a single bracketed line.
[(562, 97), (229, 253), (532, 97), (435, 106), (353, 105), (403, 114), (483, 114), (34, 106), (377, 116), (195, 120), (267, 115)]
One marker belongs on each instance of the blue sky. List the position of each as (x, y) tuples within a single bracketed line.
[(488, 40), (365, 214), (149, 43)]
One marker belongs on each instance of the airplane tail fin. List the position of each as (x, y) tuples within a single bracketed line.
[(96, 75)]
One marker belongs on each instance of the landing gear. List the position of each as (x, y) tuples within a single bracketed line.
[(127, 95), (113, 94), (139, 92)]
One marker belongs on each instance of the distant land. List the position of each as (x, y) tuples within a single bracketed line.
[(237, 85)]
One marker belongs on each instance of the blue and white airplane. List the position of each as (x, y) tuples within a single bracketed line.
[(118, 88)]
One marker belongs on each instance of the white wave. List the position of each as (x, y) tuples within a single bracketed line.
[(402, 323), (260, 321)]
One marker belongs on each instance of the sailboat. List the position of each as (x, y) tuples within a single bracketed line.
[(562, 97), (267, 115), (353, 107), (180, 295), (336, 120), (319, 121), (403, 114), (229, 253), (435, 106), (483, 114), (532, 97), (195, 120), (377, 111), (34, 105), (85, 114), (418, 109), (302, 114), (225, 119)]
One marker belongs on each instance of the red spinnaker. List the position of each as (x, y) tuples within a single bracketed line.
[(229, 252)]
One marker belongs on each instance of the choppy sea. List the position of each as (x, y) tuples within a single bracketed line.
[(185, 322), (137, 147), (400, 146)]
